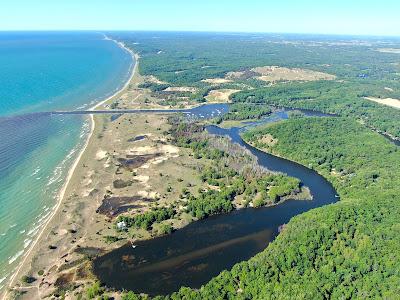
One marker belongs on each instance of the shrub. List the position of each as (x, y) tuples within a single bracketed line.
[(94, 290), (28, 279), (165, 229), (258, 202)]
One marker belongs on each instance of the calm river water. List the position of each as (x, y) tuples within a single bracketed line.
[(193, 255)]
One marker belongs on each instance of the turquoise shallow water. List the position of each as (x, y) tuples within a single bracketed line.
[(43, 72)]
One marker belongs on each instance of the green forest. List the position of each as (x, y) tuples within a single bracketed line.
[(232, 172), (187, 59), (245, 111), (346, 250), (344, 99), (359, 162)]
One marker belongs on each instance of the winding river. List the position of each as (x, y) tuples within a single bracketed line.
[(193, 255)]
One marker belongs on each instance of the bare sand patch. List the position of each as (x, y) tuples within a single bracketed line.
[(143, 179), (148, 194), (269, 140), (234, 75), (63, 231), (142, 150), (170, 149), (389, 50), (388, 89), (386, 101), (154, 79), (217, 80), (107, 163), (87, 192), (159, 160), (220, 95), (101, 154), (87, 182), (275, 73), (181, 89), (161, 154)]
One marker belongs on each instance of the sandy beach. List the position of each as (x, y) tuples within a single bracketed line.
[(128, 164), (32, 251), (134, 70), (74, 223), (74, 220)]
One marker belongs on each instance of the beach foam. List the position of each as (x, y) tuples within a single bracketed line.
[(15, 257), (27, 242), (37, 170)]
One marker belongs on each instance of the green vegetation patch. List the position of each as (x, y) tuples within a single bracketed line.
[(359, 162), (234, 172), (147, 219), (347, 250), (344, 99), (244, 111)]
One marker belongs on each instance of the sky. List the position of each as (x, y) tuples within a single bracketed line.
[(360, 17)]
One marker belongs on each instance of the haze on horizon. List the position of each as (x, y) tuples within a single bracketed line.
[(358, 17)]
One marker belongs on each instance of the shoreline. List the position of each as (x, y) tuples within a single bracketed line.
[(133, 71), (61, 194)]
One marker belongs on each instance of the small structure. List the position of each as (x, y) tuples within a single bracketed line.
[(121, 225)]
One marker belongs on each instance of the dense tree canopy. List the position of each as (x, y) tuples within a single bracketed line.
[(343, 251), (348, 250), (254, 183), (359, 162), (340, 98), (188, 58), (245, 111)]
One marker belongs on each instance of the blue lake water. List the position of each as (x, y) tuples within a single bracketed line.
[(43, 72)]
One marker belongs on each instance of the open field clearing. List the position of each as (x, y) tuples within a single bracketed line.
[(386, 101), (220, 95), (274, 73)]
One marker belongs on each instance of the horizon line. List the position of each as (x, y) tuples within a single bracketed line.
[(203, 31)]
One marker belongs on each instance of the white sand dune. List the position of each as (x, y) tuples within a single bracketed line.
[(386, 101)]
